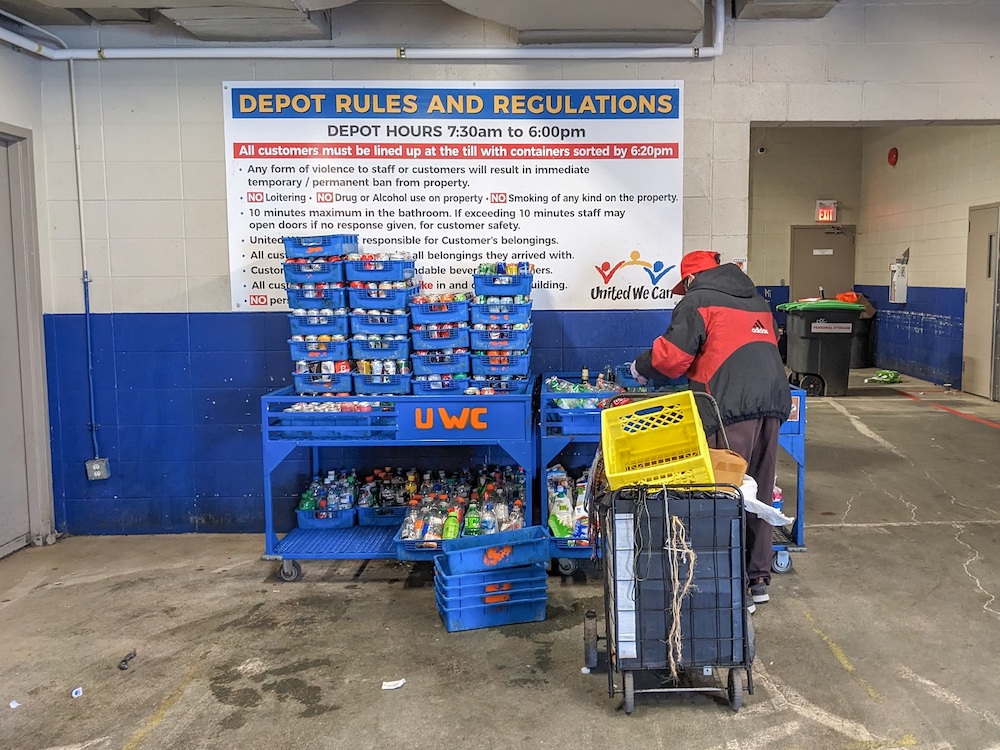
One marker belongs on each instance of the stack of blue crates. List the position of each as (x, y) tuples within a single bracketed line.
[(379, 294), (314, 283), (497, 579), (500, 338), (440, 332)]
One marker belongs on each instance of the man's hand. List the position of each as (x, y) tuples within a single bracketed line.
[(636, 375)]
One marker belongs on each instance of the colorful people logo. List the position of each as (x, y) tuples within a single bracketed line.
[(655, 270)]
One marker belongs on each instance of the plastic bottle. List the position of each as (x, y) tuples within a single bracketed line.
[(473, 520), (409, 529), (581, 520), (420, 522), (516, 518), (451, 525), (488, 522), (436, 516)]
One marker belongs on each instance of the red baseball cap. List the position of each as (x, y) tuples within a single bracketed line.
[(695, 262)]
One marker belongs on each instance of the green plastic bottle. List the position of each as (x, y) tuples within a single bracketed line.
[(472, 519), (451, 525)]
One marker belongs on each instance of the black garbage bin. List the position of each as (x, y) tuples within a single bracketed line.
[(820, 337), (862, 347)]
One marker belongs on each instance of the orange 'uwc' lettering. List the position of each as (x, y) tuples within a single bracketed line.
[(471, 417)]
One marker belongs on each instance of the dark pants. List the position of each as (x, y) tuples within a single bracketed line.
[(757, 441)]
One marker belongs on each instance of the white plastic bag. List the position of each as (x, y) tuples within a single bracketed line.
[(762, 510)]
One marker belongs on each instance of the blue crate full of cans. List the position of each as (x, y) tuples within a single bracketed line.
[(318, 317), (440, 344), (500, 335)]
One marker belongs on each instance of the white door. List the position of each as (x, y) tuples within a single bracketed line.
[(979, 350), (14, 479)]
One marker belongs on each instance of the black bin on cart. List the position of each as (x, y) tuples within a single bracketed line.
[(819, 346)]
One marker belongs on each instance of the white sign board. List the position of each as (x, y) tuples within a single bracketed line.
[(583, 179), (821, 326)]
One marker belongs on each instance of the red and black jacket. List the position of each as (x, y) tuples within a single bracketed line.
[(722, 336)]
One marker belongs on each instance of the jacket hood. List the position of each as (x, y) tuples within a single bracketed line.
[(727, 278)]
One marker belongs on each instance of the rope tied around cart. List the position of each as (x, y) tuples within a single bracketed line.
[(680, 552)]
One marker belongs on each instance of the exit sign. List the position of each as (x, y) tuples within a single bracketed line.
[(826, 212)]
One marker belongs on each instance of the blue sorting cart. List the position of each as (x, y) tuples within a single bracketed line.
[(563, 426), (433, 421)]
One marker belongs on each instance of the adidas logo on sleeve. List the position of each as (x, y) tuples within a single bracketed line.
[(760, 329)]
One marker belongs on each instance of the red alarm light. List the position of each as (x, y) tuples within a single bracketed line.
[(893, 156)]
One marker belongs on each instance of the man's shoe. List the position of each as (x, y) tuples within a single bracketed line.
[(758, 592)]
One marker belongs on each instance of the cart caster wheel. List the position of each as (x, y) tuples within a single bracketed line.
[(628, 681), (781, 562), (289, 571), (813, 385), (567, 566), (734, 689)]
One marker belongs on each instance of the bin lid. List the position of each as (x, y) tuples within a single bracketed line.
[(819, 304)]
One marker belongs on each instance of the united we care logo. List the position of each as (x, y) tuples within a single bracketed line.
[(656, 271)]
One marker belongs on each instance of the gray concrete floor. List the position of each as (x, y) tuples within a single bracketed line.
[(885, 634)]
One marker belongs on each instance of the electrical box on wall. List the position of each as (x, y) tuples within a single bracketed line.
[(897, 283)]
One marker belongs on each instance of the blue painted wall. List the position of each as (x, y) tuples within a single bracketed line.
[(923, 337), (178, 404)]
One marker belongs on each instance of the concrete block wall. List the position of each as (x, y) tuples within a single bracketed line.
[(152, 151)]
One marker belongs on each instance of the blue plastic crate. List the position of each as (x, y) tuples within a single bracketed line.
[(440, 312), (456, 619), (494, 593), (500, 313), (381, 299), (327, 298), (501, 385), (325, 272), (335, 351), (334, 325), (379, 270), (380, 349), (371, 385), (389, 516), (502, 285), (338, 519), (491, 340), (416, 549), (321, 246), (506, 549), (450, 387), (451, 338), (380, 323), (514, 363), (307, 383), (440, 364), (485, 588)]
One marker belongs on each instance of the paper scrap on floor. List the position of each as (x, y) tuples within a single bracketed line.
[(393, 685)]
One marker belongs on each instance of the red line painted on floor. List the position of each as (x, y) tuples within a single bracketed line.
[(949, 410)]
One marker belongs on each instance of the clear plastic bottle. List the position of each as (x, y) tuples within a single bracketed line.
[(410, 523), (436, 516), (516, 518), (420, 522), (488, 522)]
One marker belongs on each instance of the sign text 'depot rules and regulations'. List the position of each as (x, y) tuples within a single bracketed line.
[(584, 180)]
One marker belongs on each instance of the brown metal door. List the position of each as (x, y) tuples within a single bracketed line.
[(979, 368), (14, 485), (821, 257)]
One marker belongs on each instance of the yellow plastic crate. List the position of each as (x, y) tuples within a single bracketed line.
[(656, 441)]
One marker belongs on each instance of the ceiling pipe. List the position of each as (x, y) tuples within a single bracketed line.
[(500, 54)]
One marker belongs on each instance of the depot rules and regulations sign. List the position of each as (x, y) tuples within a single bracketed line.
[(583, 179)]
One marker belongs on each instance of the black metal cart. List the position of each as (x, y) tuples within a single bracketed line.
[(675, 592)]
